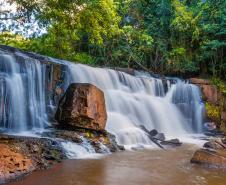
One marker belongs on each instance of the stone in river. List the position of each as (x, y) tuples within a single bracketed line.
[(83, 106)]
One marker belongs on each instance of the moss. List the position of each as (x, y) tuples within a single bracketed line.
[(221, 86), (213, 112), (89, 134)]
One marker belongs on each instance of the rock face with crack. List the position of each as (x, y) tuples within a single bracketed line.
[(82, 106)]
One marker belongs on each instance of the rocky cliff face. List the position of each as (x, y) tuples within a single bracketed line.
[(215, 102), (213, 153)]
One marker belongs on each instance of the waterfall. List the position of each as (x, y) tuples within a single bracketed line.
[(27, 100), (187, 97), (141, 100), (22, 94)]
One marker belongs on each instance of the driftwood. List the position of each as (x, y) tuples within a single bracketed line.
[(151, 137), (155, 140)]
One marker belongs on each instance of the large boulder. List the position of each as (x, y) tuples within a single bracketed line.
[(82, 106), (216, 158)]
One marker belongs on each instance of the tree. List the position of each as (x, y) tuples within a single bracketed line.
[(213, 46)]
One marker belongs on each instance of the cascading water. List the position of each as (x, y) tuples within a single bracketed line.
[(12, 99), (187, 97), (132, 101), (22, 90), (141, 101)]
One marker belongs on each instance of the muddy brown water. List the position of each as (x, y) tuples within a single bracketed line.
[(143, 167)]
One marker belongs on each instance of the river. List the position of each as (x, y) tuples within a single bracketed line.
[(141, 167)]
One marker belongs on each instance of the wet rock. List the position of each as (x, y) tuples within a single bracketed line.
[(172, 142), (65, 134), (215, 144), (83, 105), (160, 136), (144, 128), (153, 132), (210, 126), (212, 158), (96, 139), (112, 144)]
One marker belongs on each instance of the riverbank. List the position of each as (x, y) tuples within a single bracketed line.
[(165, 167), (22, 155)]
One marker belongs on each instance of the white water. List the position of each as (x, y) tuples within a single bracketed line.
[(82, 151), (22, 94), (132, 101)]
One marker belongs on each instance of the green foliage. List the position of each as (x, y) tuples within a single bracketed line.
[(84, 58), (14, 40), (221, 85), (213, 112), (163, 36)]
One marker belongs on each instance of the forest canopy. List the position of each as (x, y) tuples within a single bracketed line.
[(171, 37)]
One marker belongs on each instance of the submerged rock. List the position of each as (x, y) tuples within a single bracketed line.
[(172, 142), (212, 158), (83, 106)]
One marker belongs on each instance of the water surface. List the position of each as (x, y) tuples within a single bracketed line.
[(143, 167)]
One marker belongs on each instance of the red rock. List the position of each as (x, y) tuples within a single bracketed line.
[(83, 105), (13, 164), (210, 93), (223, 116), (210, 157), (199, 81)]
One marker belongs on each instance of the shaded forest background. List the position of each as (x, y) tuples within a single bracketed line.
[(169, 37)]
